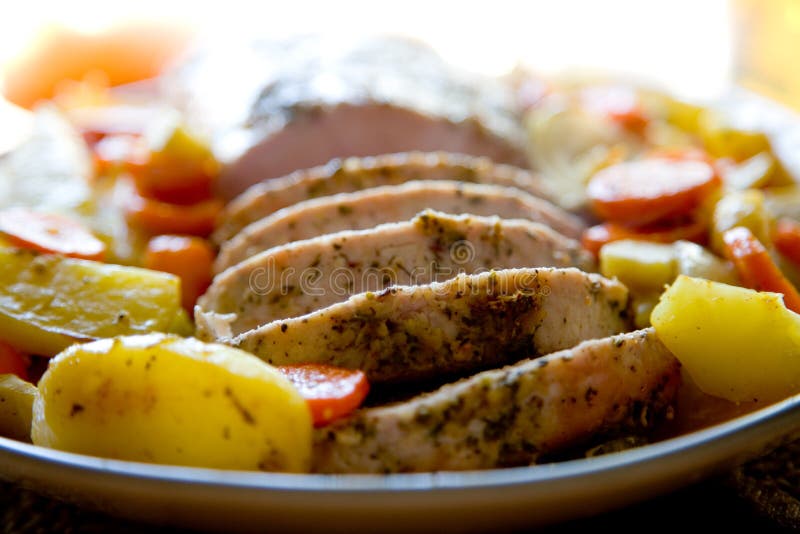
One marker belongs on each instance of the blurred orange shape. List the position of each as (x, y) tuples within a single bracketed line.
[(122, 54)]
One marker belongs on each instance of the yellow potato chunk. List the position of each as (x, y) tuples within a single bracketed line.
[(16, 407), (694, 260), (49, 302), (735, 343), (725, 140), (169, 400), (642, 306), (740, 208), (753, 172), (639, 264), (683, 114)]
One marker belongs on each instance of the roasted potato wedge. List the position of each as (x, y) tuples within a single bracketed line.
[(640, 265), (736, 343), (740, 208), (49, 302), (16, 407), (648, 267), (169, 400)]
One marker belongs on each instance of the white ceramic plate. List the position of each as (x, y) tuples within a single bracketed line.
[(441, 502)]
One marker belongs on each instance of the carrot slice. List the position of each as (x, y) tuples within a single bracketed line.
[(755, 266), (786, 238), (174, 182), (642, 192), (13, 361), (157, 217), (190, 258), (48, 232), (331, 392), (179, 168), (595, 237)]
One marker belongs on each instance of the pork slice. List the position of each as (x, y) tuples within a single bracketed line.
[(298, 278), (325, 100), (318, 133), (353, 174), (468, 323), (510, 416), (377, 205)]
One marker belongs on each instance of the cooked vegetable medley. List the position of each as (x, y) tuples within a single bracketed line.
[(647, 234)]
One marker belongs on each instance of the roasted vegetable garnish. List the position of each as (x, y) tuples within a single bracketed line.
[(48, 302)]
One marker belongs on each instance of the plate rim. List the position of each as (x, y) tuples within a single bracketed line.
[(747, 428)]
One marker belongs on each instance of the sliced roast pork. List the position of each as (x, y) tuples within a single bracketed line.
[(304, 276), (468, 323), (510, 416), (329, 98), (391, 203), (353, 174)]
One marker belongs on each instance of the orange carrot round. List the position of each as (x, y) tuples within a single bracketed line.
[(755, 266), (179, 167), (642, 192), (48, 232), (189, 258), (786, 238), (331, 392), (13, 361), (175, 183), (157, 217)]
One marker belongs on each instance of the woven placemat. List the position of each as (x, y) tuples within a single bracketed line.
[(23, 511), (761, 496), (771, 485)]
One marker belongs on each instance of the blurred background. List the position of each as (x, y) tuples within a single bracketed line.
[(685, 43), (696, 49)]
